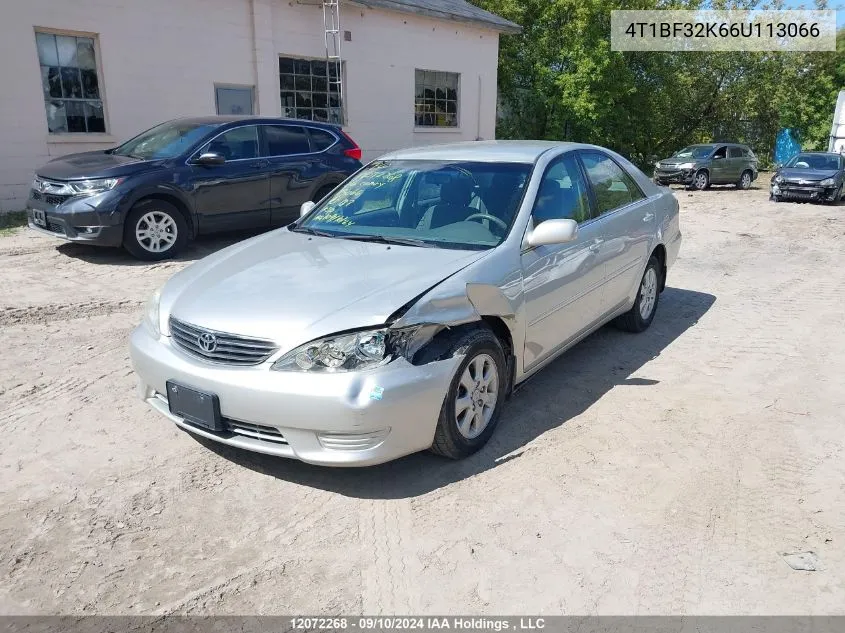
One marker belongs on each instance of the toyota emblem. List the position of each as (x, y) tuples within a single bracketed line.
[(207, 342)]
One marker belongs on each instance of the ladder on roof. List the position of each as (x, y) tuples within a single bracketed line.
[(334, 64)]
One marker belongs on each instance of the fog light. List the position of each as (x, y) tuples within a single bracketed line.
[(86, 230), (352, 441)]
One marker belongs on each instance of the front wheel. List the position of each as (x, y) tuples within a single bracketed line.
[(640, 316), (474, 401), (701, 180), (155, 230)]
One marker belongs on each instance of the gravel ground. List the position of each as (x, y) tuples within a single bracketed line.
[(667, 472)]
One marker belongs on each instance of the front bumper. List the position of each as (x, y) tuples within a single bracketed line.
[(811, 193), (93, 220), (678, 176), (343, 419)]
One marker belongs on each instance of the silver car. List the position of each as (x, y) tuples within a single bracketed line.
[(398, 314)]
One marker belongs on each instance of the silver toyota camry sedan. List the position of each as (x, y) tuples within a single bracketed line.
[(398, 313)]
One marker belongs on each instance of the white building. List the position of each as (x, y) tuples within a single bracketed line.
[(86, 74)]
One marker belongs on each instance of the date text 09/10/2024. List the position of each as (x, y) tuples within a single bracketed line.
[(382, 623)]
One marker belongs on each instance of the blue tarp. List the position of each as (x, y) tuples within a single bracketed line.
[(786, 145)]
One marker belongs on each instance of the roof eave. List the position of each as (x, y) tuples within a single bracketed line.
[(506, 27)]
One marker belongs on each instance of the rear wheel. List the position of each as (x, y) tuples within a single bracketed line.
[(475, 398), (744, 180), (154, 230), (640, 316), (322, 192)]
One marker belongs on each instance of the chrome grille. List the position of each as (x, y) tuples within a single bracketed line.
[(229, 349)]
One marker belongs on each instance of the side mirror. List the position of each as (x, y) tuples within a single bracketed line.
[(553, 232), (210, 159), (306, 207)]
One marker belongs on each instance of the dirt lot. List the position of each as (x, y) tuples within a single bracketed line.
[(661, 473)]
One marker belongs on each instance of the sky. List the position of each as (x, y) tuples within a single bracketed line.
[(808, 4)]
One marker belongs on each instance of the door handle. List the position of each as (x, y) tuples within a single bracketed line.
[(648, 217), (261, 164), (595, 245)]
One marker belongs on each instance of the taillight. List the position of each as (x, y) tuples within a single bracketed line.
[(354, 151)]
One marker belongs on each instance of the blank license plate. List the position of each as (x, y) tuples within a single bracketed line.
[(39, 217), (197, 407)]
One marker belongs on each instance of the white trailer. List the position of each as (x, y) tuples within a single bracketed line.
[(837, 130)]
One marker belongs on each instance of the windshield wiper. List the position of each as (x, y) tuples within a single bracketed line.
[(310, 231), (385, 239)]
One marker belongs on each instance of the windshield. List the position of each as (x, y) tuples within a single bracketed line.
[(463, 205), (167, 140), (815, 161), (695, 151)]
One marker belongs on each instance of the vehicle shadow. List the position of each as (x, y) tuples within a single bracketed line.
[(196, 249), (558, 393)]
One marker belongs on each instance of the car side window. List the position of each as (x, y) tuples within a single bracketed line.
[(746, 153), (612, 186), (237, 144), (286, 140), (722, 152), (562, 193), (734, 152), (320, 139)]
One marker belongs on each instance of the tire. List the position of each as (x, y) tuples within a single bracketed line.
[(322, 192), (745, 180), (634, 320), (837, 198), (701, 180), (776, 198), (461, 432), (172, 230)]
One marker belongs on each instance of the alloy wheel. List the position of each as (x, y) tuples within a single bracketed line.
[(700, 180), (745, 183), (648, 293), (156, 231), (476, 396)]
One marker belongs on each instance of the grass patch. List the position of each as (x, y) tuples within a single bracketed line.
[(11, 222)]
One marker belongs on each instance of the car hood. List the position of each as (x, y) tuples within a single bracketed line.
[(292, 287), (674, 160), (91, 165), (793, 173)]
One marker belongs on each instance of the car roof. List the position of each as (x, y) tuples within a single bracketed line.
[(227, 119), (485, 151), (819, 153)]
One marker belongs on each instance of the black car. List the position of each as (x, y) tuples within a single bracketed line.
[(812, 176), (190, 176)]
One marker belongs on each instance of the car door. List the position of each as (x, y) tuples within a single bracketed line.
[(236, 194), (295, 170), (719, 166), (628, 222), (735, 163), (561, 282)]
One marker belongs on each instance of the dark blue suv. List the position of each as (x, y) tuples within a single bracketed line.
[(190, 176)]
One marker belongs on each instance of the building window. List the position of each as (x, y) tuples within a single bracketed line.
[(436, 102), (310, 90), (233, 99), (72, 94)]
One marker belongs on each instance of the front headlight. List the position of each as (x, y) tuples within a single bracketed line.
[(151, 313), (91, 187), (827, 182), (657, 165), (686, 166), (344, 352), (778, 179)]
